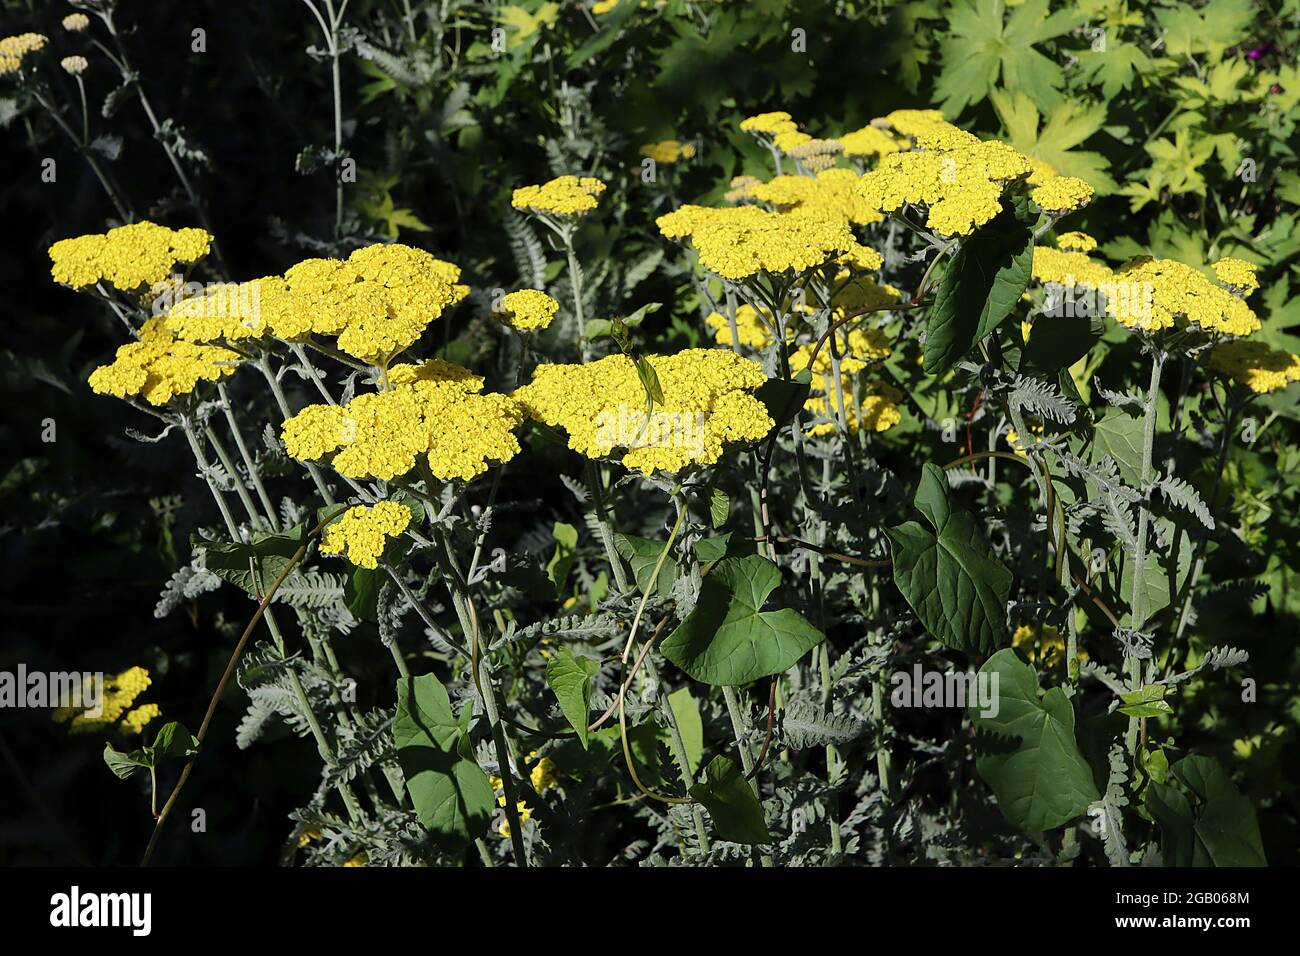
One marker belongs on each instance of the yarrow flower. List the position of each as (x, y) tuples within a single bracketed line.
[(361, 533), (1237, 274), (875, 411), (140, 717), (74, 65), (567, 196), (769, 124), (529, 310), (14, 49), (433, 410), (1061, 194), (668, 151), (832, 193), (871, 140), (737, 242), (132, 258), (1255, 365), (160, 367), (707, 404), (1075, 242), (76, 22), (1175, 295), (1069, 268), (1049, 646), (115, 696), (754, 329)]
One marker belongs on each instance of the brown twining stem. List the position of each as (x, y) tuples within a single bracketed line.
[(834, 555), (225, 680), (771, 724)]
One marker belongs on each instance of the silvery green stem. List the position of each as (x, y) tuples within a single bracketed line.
[(249, 463)]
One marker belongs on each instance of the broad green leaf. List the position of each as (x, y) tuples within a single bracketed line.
[(1119, 434), (783, 399), (125, 764), (173, 740), (1204, 820), (569, 677), (726, 794), (719, 507), (949, 576), (450, 791), (1148, 701), (1031, 758), (727, 638), (1058, 341), (687, 712), (566, 551), (643, 554), (361, 593), (254, 566), (981, 283)]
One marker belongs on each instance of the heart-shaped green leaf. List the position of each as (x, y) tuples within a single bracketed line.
[(569, 677), (726, 794), (728, 638)]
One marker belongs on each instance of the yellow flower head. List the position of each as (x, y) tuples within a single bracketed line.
[(831, 193), (753, 328), (14, 49), (1069, 268), (707, 404), (226, 311), (529, 310), (741, 241), (74, 65), (433, 409), (116, 695), (741, 188), (877, 411), (133, 258), (668, 151), (1075, 242), (1154, 294), (76, 22), (856, 349), (377, 302), (1051, 645), (1061, 194), (362, 533), (160, 367), (567, 196), (1237, 274), (1255, 365), (769, 124), (870, 141), (137, 719), (543, 776)]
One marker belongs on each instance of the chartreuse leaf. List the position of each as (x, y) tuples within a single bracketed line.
[(569, 677), (566, 552), (1032, 761), (1148, 701), (450, 791), (726, 794), (981, 283), (687, 712), (172, 740), (950, 576), (728, 638), (1204, 820)]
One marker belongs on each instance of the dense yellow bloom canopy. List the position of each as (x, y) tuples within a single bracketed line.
[(1168, 294), (737, 242), (529, 310), (362, 532), (377, 302), (832, 192), (707, 404), (132, 258), (1255, 365), (435, 410), (160, 367), (566, 196)]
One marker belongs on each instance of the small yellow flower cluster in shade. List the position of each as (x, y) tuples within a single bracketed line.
[(74, 65), (362, 532), (566, 196), (137, 719), (856, 349), (737, 242), (529, 310), (1175, 295), (668, 151), (815, 155), (871, 140), (160, 367), (1069, 268), (707, 404), (118, 693), (1237, 274), (877, 411), (831, 193), (1051, 645), (1255, 365), (543, 776), (377, 302), (769, 125), (76, 22), (1075, 242), (15, 48), (741, 188), (1061, 194), (961, 187), (357, 860), (132, 258), (434, 410), (1013, 437), (754, 329), (854, 293)]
